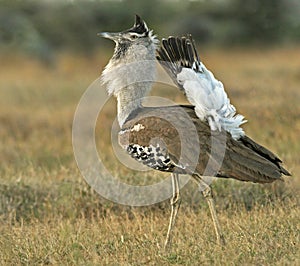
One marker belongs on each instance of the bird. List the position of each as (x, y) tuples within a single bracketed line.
[(178, 139)]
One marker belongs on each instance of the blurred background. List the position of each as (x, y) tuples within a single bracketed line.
[(41, 28)]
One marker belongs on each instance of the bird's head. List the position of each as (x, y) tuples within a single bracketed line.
[(137, 36)]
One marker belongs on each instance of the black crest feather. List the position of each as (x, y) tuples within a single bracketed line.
[(139, 26)]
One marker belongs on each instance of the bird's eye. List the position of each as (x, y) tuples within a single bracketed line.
[(134, 36)]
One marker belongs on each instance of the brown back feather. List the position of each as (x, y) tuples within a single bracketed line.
[(243, 160)]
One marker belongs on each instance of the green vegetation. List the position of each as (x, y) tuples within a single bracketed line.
[(42, 27), (49, 215)]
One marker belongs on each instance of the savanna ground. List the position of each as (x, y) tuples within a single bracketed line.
[(50, 215)]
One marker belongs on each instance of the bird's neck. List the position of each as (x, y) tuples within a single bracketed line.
[(130, 79), (130, 99)]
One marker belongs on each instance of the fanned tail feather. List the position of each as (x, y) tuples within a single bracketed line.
[(181, 61)]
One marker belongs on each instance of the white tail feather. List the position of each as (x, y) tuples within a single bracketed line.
[(208, 96)]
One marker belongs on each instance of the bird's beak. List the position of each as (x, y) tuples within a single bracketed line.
[(110, 35)]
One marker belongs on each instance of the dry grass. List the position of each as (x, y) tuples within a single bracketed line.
[(49, 215)]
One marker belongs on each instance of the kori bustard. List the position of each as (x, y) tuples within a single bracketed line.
[(148, 133)]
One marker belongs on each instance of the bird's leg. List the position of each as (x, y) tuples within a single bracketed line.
[(207, 193), (175, 204)]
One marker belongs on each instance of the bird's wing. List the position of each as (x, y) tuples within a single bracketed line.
[(180, 59), (165, 138), (173, 138)]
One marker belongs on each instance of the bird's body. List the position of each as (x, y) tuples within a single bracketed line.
[(156, 136), (152, 127)]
